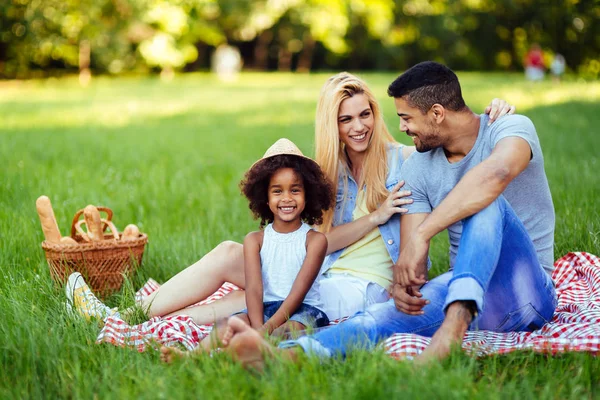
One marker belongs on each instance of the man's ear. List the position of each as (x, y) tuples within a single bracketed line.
[(438, 112)]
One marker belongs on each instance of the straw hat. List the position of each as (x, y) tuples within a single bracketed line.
[(282, 147)]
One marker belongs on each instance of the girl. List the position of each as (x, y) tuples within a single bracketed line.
[(281, 262), (288, 192)]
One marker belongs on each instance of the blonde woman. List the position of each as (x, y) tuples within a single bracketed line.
[(362, 159)]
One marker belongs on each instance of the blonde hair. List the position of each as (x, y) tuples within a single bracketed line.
[(330, 151)]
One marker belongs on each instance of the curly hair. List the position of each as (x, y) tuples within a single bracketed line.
[(318, 189)]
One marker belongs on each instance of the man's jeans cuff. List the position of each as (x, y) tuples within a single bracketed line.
[(309, 345), (465, 289)]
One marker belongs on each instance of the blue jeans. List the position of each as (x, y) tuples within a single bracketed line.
[(496, 267)]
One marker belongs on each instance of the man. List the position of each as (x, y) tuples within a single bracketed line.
[(484, 183)]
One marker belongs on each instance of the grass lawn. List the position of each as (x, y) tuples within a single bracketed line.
[(168, 157)]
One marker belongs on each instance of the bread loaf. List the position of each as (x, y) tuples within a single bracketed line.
[(131, 232), (68, 240), (48, 220), (91, 215)]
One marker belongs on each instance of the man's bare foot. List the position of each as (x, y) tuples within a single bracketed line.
[(170, 354), (450, 334)]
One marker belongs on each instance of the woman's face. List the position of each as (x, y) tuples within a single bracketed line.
[(355, 123)]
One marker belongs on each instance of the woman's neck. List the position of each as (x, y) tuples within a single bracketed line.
[(355, 161)]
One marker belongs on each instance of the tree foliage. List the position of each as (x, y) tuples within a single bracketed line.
[(38, 37)]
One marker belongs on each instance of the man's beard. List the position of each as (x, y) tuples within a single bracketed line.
[(427, 141)]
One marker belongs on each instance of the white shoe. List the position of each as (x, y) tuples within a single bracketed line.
[(81, 298)]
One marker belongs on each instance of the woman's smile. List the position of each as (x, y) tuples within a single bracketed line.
[(358, 138)]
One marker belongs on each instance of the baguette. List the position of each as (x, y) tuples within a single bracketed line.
[(48, 220), (91, 215), (131, 232)]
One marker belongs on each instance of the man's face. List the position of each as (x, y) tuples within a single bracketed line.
[(420, 127)]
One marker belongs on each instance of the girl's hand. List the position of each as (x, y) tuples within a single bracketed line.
[(392, 205), (498, 108), (263, 331)]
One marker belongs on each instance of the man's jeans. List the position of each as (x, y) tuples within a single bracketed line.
[(496, 267)]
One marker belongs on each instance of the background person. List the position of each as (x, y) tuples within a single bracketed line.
[(535, 68), (558, 67)]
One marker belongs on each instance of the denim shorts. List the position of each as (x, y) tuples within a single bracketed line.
[(308, 316)]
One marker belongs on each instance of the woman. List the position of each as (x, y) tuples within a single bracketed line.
[(355, 150)]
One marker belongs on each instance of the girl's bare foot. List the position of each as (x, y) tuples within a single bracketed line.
[(227, 335), (170, 354), (247, 345), (449, 335)]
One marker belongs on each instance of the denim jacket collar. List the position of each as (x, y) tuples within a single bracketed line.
[(390, 231)]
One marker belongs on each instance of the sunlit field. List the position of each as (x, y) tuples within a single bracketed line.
[(168, 157)]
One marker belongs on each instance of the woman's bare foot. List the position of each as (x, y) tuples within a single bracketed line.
[(170, 354), (449, 335)]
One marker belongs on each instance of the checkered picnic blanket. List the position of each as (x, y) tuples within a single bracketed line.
[(574, 327)]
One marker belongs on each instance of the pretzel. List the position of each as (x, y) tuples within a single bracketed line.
[(86, 236)]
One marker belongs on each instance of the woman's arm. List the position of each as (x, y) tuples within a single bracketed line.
[(254, 284), (498, 108), (344, 235), (316, 245)]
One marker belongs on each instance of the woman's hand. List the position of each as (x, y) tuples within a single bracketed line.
[(392, 205), (498, 108)]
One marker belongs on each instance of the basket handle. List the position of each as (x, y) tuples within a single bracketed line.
[(77, 229), (109, 215), (86, 237)]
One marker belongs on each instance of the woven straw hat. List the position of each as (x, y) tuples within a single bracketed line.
[(282, 147)]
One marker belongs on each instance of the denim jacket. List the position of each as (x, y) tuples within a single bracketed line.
[(390, 231)]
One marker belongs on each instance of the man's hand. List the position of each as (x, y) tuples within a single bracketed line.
[(409, 299), (411, 268)]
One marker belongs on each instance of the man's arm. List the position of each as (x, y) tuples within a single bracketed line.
[(408, 299), (477, 189)]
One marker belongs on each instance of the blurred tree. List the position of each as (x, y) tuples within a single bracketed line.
[(41, 37), (46, 35)]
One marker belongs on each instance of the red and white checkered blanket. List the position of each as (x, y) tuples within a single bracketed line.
[(574, 327)]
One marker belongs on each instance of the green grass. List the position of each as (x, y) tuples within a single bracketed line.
[(168, 157)]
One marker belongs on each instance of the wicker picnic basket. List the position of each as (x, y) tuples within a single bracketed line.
[(103, 263)]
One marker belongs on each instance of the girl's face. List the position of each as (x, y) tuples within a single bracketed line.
[(286, 199), (355, 123)]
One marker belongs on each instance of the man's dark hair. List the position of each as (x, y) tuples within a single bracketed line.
[(426, 84), (318, 189)]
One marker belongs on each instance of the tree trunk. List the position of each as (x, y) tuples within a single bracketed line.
[(284, 62), (261, 51), (305, 59), (85, 50)]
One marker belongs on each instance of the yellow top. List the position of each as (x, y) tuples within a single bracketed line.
[(367, 258)]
